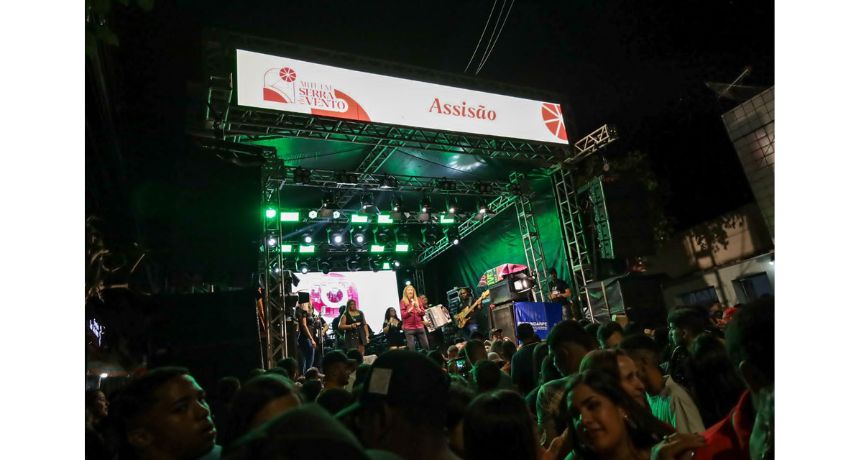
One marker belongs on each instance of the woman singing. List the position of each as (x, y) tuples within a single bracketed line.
[(354, 326), (392, 328), (412, 312)]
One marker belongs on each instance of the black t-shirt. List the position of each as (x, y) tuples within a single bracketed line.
[(301, 314), (559, 286)]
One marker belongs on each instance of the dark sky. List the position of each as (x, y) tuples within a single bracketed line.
[(641, 65)]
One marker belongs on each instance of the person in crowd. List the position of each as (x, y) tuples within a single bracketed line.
[(225, 390), (715, 383), (522, 362), (495, 347), (259, 400), (334, 400), (412, 312), (747, 431), (609, 335), (453, 350), (278, 370), (291, 365), (559, 291), (568, 343), (496, 335), (163, 414), (459, 397), (338, 333), (485, 376), (475, 351), (96, 407), (306, 339), (402, 409), (546, 373), (437, 357), (361, 373), (592, 328), (354, 327), (312, 374), (509, 349), (310, 390), (337, 368), (669, 401), (606, 423), (306, 432), (358, 358), (498, 425), (685, 324), (617, 364), (255, 372), (496, 359), (393, 330)]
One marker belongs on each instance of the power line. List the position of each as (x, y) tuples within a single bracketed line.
[(487, 56), (482, 36), (493, 34)]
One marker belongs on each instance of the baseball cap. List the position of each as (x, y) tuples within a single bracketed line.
[(494, 357), (403, 378), (334, 357)]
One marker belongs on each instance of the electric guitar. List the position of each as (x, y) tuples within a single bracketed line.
[(464, 315)]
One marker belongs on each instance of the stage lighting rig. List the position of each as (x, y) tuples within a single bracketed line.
[(304, 267), (302, 176), (452, 205), (336, 236), (389, 181), (307, 238), (483, 208), (426, 206), (359, 236), (453, 234), (429, 235), (325, 266), (367, 202), (396, 204)]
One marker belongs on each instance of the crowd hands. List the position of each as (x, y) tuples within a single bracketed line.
[(702, 388)]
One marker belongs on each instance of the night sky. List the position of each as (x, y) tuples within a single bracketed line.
[(640, 65)]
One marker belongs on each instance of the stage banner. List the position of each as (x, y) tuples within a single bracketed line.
[(291, 85), (541, 315)]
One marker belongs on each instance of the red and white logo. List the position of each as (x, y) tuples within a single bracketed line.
[(282, 85), (553, 120)]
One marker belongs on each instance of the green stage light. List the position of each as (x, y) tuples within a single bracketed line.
[(286, 248), (290, 216), (401, 247), (271, 212), (443, 219), (306, 249), (358, 219), (386, 266), (377, 248), (384, 219)]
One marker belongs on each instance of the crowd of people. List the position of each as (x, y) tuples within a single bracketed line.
[(701, 388)]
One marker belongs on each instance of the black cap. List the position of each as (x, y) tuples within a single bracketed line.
[(334, 357), (403, 378)]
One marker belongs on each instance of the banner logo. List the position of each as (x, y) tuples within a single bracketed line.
[(283, 85), (553, 120)]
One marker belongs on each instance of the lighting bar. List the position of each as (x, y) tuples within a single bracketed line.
[(384, 219), (286, 248), (306, 249), (444, 219), (377, 248), (386, 266), (289, 216), (358, 219), (271, 212), (401, 247)]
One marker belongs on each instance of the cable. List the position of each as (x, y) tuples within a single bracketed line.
[(437, 164), (482, 36), (481, 66), (493, 34), (322, 155)]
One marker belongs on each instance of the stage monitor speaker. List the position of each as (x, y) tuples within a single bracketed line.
[(502, 317), (627, 206), (642, 298), (504, 291)]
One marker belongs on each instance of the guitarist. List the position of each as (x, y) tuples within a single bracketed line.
[(466, 301)]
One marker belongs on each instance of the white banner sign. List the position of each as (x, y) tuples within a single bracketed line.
[(271, 82)]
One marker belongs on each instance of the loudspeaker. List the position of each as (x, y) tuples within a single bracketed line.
[(502, 317), (627, 206), (642, 297)]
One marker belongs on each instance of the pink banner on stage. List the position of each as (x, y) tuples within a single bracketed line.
[(494, 275)]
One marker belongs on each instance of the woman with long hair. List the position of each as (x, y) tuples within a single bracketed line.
[(260, 399), (392, 328), (498, 425), (412, 311), (352, 322), (606, 423), (715, 384), (617, 364)]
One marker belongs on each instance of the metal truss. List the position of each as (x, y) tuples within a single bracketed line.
[(327, 179), (419, 281), (371, 163), (276, 281), (594, 189), (530, 236), (465, 228)]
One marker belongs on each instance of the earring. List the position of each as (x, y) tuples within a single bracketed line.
[(630, 423)]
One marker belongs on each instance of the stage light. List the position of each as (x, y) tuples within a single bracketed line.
[(426, 206), (453, 234), (384, 219), (483, 188), (386, 266), (359, 236), (306, 249), (383, 235), (374, 265), (286, 248), (367, 201), (353, 263), (396, 204), (338, 239), (389, 181), (452, 205), (272, 241), (445, 219), (313, 214), (276, 270), (429, 235), (358, 219), (325, 267), (307, 238), (395, 263), (401, 247), (303, 267), (335, 215), (482, 207), (327, 200), (103, 375), (302, 176), (377, 248), (336, 236), (408, 283), (271, 212), (289, 216)]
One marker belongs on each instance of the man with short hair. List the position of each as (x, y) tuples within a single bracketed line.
[(164, 415), (522, 363), (475, 351), (402, 408), (568, 343), (668, 400), (748, 430), (292, 367), (337, 368), (609, 335), (560, 292), (685, 324)]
